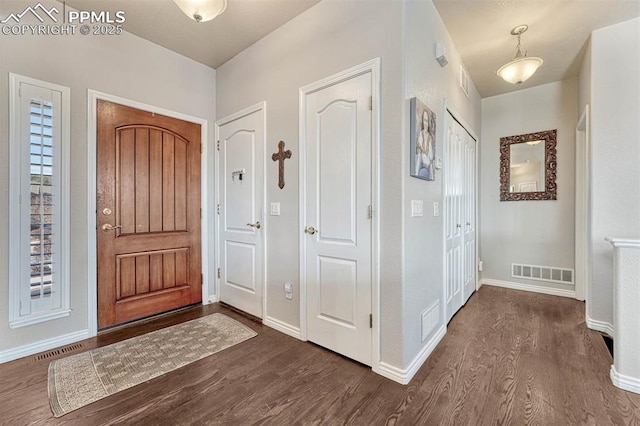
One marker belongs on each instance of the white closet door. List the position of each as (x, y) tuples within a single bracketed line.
[(460, 215), (469, 217)]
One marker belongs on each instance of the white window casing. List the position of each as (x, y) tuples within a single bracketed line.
[(39, 147)]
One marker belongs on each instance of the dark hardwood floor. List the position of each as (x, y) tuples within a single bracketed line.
[(509, 358)]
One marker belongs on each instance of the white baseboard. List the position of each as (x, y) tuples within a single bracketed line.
[(530, 287), (282, 327), (628, 383), (43, 345), (212, 299), (404, 376), (601, 326)]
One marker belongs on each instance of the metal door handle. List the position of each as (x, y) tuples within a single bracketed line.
[(468, 223), (310, 230), (109, 227), (458, 225), (256, 225)]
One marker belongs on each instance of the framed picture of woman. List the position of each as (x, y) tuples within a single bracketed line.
[(423, 141)]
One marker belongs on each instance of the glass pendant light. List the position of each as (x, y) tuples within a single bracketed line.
[(202, 10), (522, 67)]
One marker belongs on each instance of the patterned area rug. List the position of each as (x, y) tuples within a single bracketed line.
[(81, 379)]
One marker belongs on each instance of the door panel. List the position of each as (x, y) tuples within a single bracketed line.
[(149, 192), (241, 180), (460, 227), (337, 129), (338, 194), (453, 201), (469, 220)]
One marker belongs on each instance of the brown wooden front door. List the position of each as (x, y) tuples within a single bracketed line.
[(148, 214)]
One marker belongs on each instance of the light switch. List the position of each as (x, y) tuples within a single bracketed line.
[(275, 209), (417, 208), (436, 208)]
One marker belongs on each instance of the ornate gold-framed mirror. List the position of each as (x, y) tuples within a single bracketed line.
[(528, 166)]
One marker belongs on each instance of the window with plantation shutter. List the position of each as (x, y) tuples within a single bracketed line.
[(39, 207)]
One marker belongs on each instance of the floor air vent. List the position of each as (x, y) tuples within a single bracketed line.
[(59, 351), (542, 273)]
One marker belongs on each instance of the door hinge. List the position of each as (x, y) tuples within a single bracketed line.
[(200, 212), (218, 145), (201, 148), (20, 95), (370, 214), (370, 320), (370, 103), (201, 279), (218, 209), (218, 272)]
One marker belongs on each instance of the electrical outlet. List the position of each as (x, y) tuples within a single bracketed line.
[(436, 209), (288, 290), (275, 209), (480, 266)]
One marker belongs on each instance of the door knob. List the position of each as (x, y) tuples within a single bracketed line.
[(458, 225), (109, 227), (256, 225), (310, 230)]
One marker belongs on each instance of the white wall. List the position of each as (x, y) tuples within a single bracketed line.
[(615, 177), (431, 83), (328, 38), (126, 66), (530, 232)]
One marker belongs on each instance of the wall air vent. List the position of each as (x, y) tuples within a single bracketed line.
[(542, 273)]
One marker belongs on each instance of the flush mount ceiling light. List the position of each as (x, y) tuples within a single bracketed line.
[(202, 10), (522, 67)]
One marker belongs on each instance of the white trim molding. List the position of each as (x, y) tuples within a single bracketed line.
[(628, 383), (92, 260), (282, 327), (601, 326), (23, 309), (530, 287), (624, 242), (43, 345), (404, 376)]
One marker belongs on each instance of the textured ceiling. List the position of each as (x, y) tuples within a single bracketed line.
[(558, 31), (212, 43)]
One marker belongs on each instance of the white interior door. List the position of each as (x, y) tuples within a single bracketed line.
[(337, 199), (460, 219), (241, 195), (453, 223), (469, 217)]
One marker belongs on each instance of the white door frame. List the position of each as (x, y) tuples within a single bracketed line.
[(583, 186), (260, 106), (92, 256), (450, 110), (373, 67)]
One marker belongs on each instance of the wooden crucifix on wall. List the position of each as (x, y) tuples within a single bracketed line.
[(280, 156)]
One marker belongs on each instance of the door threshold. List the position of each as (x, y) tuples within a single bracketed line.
[(146, 319), (243, 313)]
